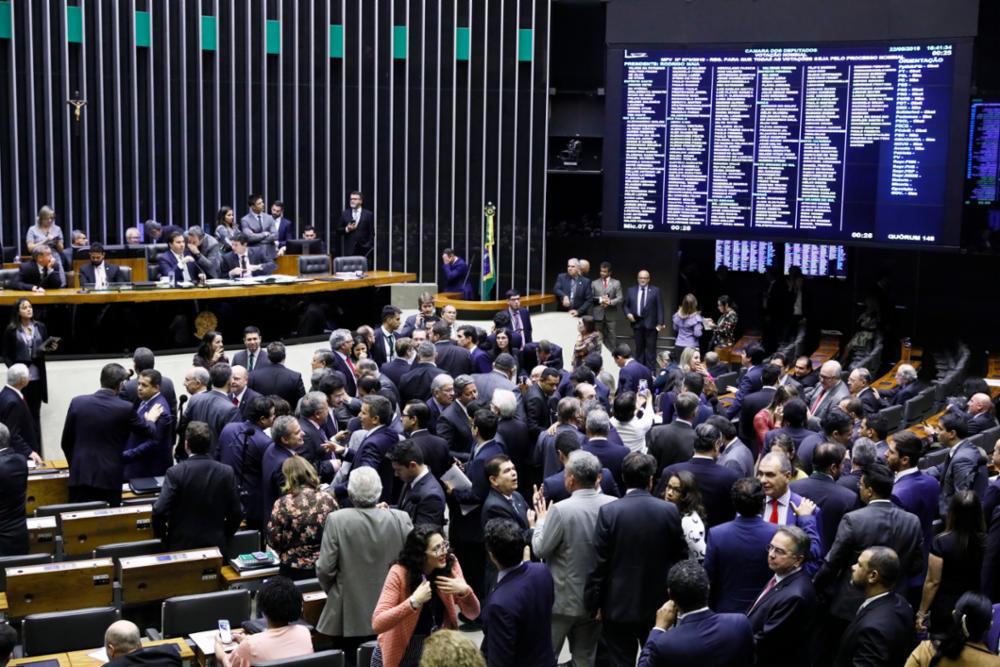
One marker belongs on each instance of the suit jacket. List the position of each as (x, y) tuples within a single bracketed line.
[(94, 436), (878, 523), (14, 482), (131, 394), (416, 383), (609, 454), (395, 370), (782, 619), (671, 443), (259, 359), (964, 469), (798, 436), (517, 618), (350, 383), (749, 383), (490, 381), (743, 540), (373, 453), (752, 404), (529, 357), (312, 449), (614, 294), (199, 505), (715, 483), (637, 539), (209, 256), (112, 271), (453, 425), (901, 394), (244, 401), (554, 486), (834, 500), (437, 456), (536, 409), (262, 232), (286, 230), (468, 527), (580, 289), (879, 635), (212, 407), (804, 450), (254, 256), (247, 466), (169, 266), (456, 278), (545, 448), (525, 331), (410, 323), (830, 399), (699, 639), (424, 501), (737, 456), (980, 422), (869, 402), (279, 380), (358, 242), (496, 506), (29, 276), (15, 415), (652, 316), (16, 352), (630, 374), (149, 455), (517, 442), (452, 359), (271, 478)]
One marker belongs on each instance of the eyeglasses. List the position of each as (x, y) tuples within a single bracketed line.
[(827, 377), (776, 550), (441, 548)]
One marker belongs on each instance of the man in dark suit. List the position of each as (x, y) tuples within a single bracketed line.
[(177, 263), (499, 376), (44, 271), (423, 319), (94, 434), (632, 371), (733, 453), (837, 427), (674, 442), (259, 228), (384, 348), (755, 402), (252, 355), (542, 353), (743, 540), (14, 413), (316, 445), (572, 290), (750, 382), (456, 275), (504, 501), (274, 379), (341, 342), (416, 383), (821, 487), (513, 432), (782, 615), (402, 361), (693, 382), (881, 633), (714, 481), (450, 358), (536, 402), (454, 424), (859, 383), (517, 615), (214, 407), (199, 505), (97, 272), (143, 359), (638, 538), (702, 637), (14, 482), (244, 261), (794, 418), (520, 318), (916, 491), (422, 496), (357, 227), (437, 457), (644, 309), (285, 228), (569, 415), (287, 439), (608, 453), (554, 486), (965, 467), (242, 446), (784, 507), (239, 392), (907, 386), (376, 415), (150, 455)]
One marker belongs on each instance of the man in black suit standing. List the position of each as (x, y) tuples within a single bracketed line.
[(99, 273), (455, 423), (357, 226), (782, 615), (757, 401), (422, 496), (214, 407), (416, 383), (644, 310), (638, 538), (143, 359), (94, 435), (821, 487), (881, 633), (275, 379), (536, 402), (199, 505), (714, 481), (504, 501), (859, 383), (44, 271), (252, 355), (14, 482), (434, 449), (674, 442), (572, 290), (14, 413), (451, 358), (384, 349)]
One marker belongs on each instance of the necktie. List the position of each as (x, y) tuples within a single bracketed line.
[(243, 264), (642, 301), (350, 364), (572, 290), (405, 493), (45, 273), (605, 284), (236, 401), (819, 399), (767, 589), (774, 512), (258, 219), (250, 358), (391, 340)]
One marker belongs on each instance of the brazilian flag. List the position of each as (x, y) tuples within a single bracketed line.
[(488, 278)]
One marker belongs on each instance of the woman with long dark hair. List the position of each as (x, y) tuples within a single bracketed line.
[(954, 563), (26, 341), (963, 643), (211, 351), (225, 227), (423, 591), (724, 329), (682, 490), (589, 340)]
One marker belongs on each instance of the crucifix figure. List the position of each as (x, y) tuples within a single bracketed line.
[(77, 105)]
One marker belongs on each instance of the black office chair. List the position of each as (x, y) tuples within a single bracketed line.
[(57, 510), (314, 264), (350, 263), (8, 276), (331, 658), (62, 631), (20, 561), (120, 550), (365, 652), (894, 417), (126, 272), (144, 500), (308, 585), (185, 614), (243, 542), (934, 458), (153, 253), (725, 380)]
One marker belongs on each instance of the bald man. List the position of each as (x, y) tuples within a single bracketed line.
[(979, 414), (124, 649), (830, 390)]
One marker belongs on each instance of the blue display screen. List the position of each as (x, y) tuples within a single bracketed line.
[(982, 165), (748, 256), (836, 143), (817, 260)]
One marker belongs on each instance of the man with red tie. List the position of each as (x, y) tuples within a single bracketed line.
[(830, 390), (607, 294), (785, 508)]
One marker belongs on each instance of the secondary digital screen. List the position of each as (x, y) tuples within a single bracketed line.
[(840, 143), (982, 166), (816, 260), (747, 256)]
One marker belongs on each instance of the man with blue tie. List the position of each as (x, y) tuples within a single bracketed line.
[(689, 634), (520, 318), (177, 262), (150, 454), (572, 290), (644, 310)]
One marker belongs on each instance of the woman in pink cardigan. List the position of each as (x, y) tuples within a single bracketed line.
[(419, 596)]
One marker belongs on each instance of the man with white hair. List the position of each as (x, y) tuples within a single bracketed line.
[(907, 386), (442, 396), (830, 390), (564, 537), (341, 341), (124, 647), (15, 414), (360, 544), (239, 392), (512, 432), (859, 383)]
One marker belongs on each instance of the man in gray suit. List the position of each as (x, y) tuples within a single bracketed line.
[(564, 538), (498, 378), (214, 407), (733, 454), (360, 544), (607, 294), (260, 227), (207, 252), (830, 391)]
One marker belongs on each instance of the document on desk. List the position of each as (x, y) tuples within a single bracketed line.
[(458, 480), (205, 641), (100, 655)]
